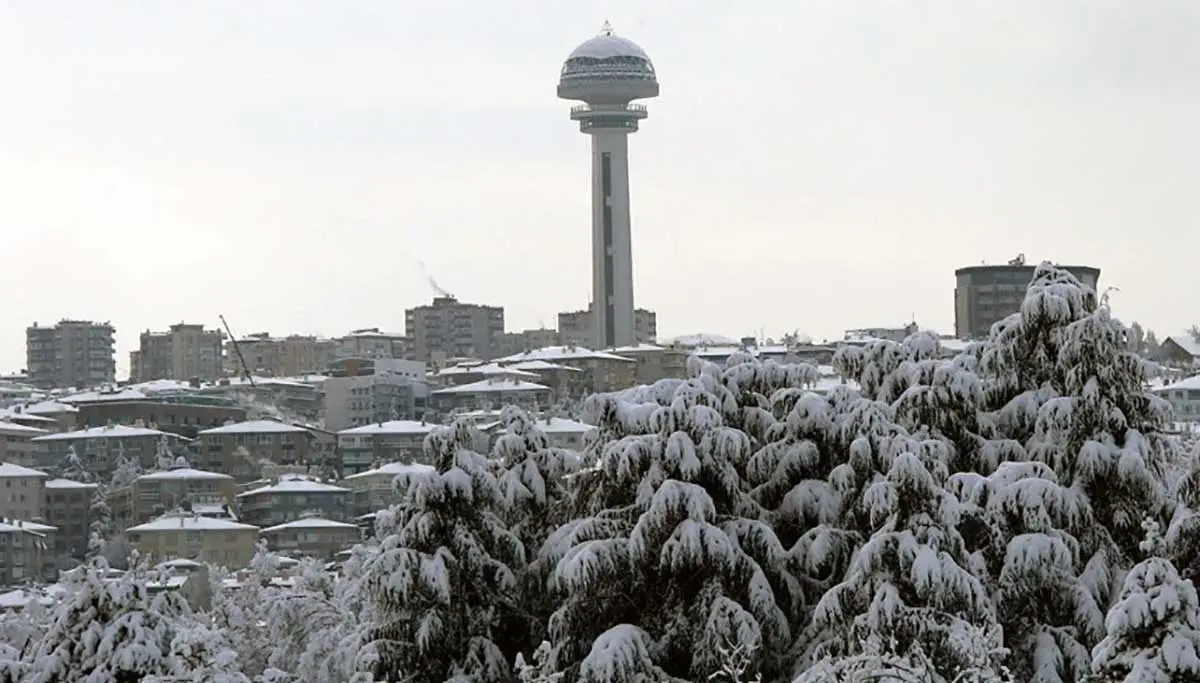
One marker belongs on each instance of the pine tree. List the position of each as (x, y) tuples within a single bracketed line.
[(446, 570), (125, 472), (1154, 627), (99, 524), (661, 555), (164, 459), (73, 468)]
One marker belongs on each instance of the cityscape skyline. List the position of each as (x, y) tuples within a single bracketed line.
[(260, 163)]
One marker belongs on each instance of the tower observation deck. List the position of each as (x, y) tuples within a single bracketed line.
[(607, 73)]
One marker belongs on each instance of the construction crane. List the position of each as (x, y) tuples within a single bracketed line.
[(433, 283), (238, 350)]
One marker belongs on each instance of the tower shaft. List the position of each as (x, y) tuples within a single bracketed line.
[(612, 249)]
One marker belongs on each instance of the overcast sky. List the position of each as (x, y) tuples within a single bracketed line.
[(809, 165)]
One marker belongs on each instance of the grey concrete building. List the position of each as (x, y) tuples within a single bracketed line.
[(578, 328), (451, 329), (182, 352), (293, 497), (363, 391), (68, 508), (20, 554), (987, 294), (72, 353), (240, 449)]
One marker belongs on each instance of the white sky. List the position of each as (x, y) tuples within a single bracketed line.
[(810, 164)]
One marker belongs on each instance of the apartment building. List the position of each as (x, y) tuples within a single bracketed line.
[(22, 492), (448, 328), (53, 416), (516, 342), (600, 371), (394, 441), (375, 489), (655, 362), (987, 294), (16, 444), (372, 390), (181, 414), (311, 537), (69, 509), (100, 448), (20, 554), (72, 353), (240, 449), (157, 493), (293, 497), (184, 351), (492, 394), (221, 542), (279, 356), (578, 328), (371, 342)]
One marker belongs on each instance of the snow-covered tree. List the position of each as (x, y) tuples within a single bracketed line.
[(446, 570), (99, 524), (241, 610), (1154, 627), (125, 471), (671, 560), (73, 468), (164, 458)]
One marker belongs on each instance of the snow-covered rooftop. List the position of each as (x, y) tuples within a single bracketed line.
[(390, 427), (1187, 342), (109, 432), (32, 526), (190, 523), (68, 484), (703, 339), (1188, 383), (561, 425), (182, 473), (311, 523), (294, 483), (49, 408), (393, 469), (542, 366), (255, 427), (8, 469), (560, 353), (105, 395), (21, 597), (486, 369), (14, 428), (494, 385), (9, 415), (636, 348), (607, 45)]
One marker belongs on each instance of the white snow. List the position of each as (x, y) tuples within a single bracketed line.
[(391, 427), (182, 473), (12, 428), (8, 469), (289, 483), (393, 469), (255, 427), (553, 354), (489, 386), (311, 523), (109, 432), (190, 523), (68, 484)]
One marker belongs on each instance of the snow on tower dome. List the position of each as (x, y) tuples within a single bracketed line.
[(607, 45)]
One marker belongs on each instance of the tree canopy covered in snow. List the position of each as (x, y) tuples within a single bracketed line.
[(971, 517)]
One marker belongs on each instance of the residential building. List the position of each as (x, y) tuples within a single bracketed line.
[(22, 492), (182, 352), (578, 328), (1184, 397), (447, 328), (181, 414), (300, 395), (69, 509), (360, 448), (99, 448), (516, 342), (985, 295), (1179, 350), (240, 449), (602, 371), (73, 353), (279, 356), (375, 489), (293, 497), (157, 493), (561, 432), (20, 554), (49, 565), (53, 416), (372, 390), (493, 393), (472, 371), (655, 362), (311, 537), (371, 342), (17, 446), (220, 542)]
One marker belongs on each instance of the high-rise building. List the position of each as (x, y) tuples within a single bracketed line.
[(578, 328), (607, 73), (73, 353), (183, 352), (451, 329), (985, 295), (288, 356)]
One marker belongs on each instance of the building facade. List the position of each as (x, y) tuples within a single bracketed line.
[(183, 352), (20, 554), (69, 509), (22, 492), (240, 449), (453, 329), (293, 497), (985, 295), (279, 356), (221, 542), (371, 390), (311, 537), (372, 342), (157, 493), (578, 328), (72, 353)]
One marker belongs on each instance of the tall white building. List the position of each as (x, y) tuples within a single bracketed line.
[(607, 73), (365, 391)]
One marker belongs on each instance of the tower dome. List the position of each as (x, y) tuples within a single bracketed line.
[(607, 69)]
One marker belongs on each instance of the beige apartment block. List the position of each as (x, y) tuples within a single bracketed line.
[(52, 416), (22, 492), (293, 497), (452, 329), (280, 356), (240, 449), (99, 448), (157, 493), (17, 446), (220, 542), (311, 537), (69, 509), (578, 328), (372, 342), (375, 489), (492, 394), (655, 362), (601, 370), (183, 352), (21, 551), (73, 353)]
